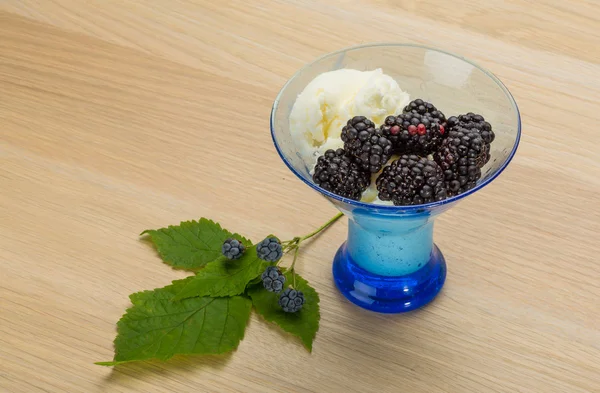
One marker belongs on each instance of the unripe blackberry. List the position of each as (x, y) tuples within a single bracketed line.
[(272, 279), (232, 249), (291, 300), (269, 249)]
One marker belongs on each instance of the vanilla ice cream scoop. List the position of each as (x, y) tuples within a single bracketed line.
[(332, 98)]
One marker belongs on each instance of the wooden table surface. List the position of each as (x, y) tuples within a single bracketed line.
[(118, 116)]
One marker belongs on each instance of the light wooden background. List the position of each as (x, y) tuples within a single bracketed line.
[(117, 116)]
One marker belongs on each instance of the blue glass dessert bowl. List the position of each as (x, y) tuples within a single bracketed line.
[(389, 262)]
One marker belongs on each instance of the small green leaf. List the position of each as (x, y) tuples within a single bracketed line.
[(192, 244), (158, 328), (223, 277), (303, 323)]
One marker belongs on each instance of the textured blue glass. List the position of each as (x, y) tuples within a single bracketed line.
[(389, 294), (389, 262)]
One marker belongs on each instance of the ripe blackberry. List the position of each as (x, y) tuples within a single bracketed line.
[(414, 133), (272, 279), (422, 108), (291, 300), (411, 180), (475, 122), (269, 249), (366, 144), (461, 157), (336, 172), (232, 249)]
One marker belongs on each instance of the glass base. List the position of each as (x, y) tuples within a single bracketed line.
[(389, 294)]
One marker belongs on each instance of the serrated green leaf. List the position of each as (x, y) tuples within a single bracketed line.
[(255, 281), (158, 328), (303, 323), (191, 244), (223, 277)]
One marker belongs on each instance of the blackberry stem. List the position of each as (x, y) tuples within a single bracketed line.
[(292, 267), (294, 244), (321, 228)]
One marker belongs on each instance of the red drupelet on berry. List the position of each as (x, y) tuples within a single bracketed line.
[(414, 133)]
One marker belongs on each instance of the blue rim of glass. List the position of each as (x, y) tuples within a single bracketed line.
[(388, 208)]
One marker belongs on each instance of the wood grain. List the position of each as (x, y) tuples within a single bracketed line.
[(113, 119)]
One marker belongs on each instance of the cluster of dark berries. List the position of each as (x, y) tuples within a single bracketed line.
[(269, 249), (290, 300), (439, 157), (273, 280)]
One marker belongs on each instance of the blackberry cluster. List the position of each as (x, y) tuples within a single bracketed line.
[(414, 133), (232, 249), (269, 249), (272, 279), (366, 144), (474, 122), (423, 108), (461, 157), (412, 180), (291, 300), (337, 172), (441, 156)]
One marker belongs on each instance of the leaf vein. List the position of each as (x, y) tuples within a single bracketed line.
[(224, 325)]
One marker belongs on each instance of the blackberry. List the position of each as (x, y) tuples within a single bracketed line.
[(272, 279), (269, 249), (291, 300), (369, 147), (461, 157), (475, 122), (411, 180), (232, 249), (414, 133), (336, 172), (422, 108)]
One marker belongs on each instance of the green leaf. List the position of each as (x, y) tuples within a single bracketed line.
[(158, 328), (192, 244), (223, 277), (303, 323)]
